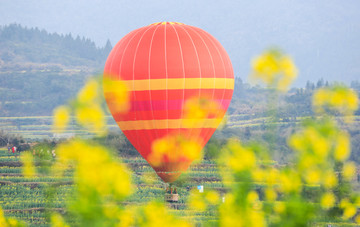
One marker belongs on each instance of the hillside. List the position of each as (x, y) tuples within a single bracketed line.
[(39, 70)]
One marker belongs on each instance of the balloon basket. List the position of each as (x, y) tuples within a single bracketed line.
[(172, 198)]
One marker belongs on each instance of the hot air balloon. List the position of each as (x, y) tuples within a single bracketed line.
[(165, 66)]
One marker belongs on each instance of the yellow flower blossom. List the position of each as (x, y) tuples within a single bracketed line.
[(256, 219), (108, 178), (91, 117), (58, 221), (239, 158), (270, 194), (274, 69), (2, 218), (61, 118), (349, 211), (89, 92), (337, 98), (327, 200), (272, 176), (252, 197), (320, 97), (279, 207), (258, 175), (116, 95), (28, 165), (127, 217), (196, 201), (357, 219), (342, 149), (290, 181), (173, 148), (313, 176), (201, 108), (330, 180), (349, 170), (212, 197), (155, 215)]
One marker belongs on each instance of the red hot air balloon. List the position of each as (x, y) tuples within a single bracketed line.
[(165, 67)]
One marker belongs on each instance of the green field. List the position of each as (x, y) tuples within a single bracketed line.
[(26, 199)]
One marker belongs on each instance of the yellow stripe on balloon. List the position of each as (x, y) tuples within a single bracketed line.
[(180, 83), (169, 124)]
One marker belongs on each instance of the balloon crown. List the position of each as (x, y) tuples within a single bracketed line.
[(166, 22)]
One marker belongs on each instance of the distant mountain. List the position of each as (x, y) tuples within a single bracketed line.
[(39, 70), (23, 45)]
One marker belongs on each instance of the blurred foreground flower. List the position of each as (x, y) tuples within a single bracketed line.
[(88, 105), (61, 118), (274, 69), (108, 178), (9, 222), (337, 98), (28, 165), (116, 95), (174, 148)]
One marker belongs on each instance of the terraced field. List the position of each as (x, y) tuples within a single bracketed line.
[(27, 199), (39, 127)]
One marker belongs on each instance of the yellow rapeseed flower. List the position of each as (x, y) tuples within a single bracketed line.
[(290, 181), (272, 176), (349, 170), (2, 218), (212, 197), (274, 69), (197, 201), (61, 118), (174, 147), (357, 219), (313, 176), (155, 215), (330, 179), (239, 158), (342, 149), (320, 97), (327, 200), (108, 178), (336, 98), (28, 165), (116, 95), (349, 211), (89, 92), (58, 221), (258, 175), (252, 197), (270, 194), (91, 117), (279, 207)]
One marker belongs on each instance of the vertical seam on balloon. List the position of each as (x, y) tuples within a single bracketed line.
[(122, 57), (166, 74), (116, 52), (197, 60), (183, 68), (222, 61), (213, 66), (151, 104), (212, 61), (133, 72)]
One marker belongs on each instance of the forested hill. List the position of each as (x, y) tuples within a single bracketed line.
[(24, 45), (39, 70)]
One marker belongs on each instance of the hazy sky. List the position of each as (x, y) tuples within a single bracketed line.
[(322, 36)]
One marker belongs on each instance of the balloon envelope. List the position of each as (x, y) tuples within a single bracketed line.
[(164, 65)]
